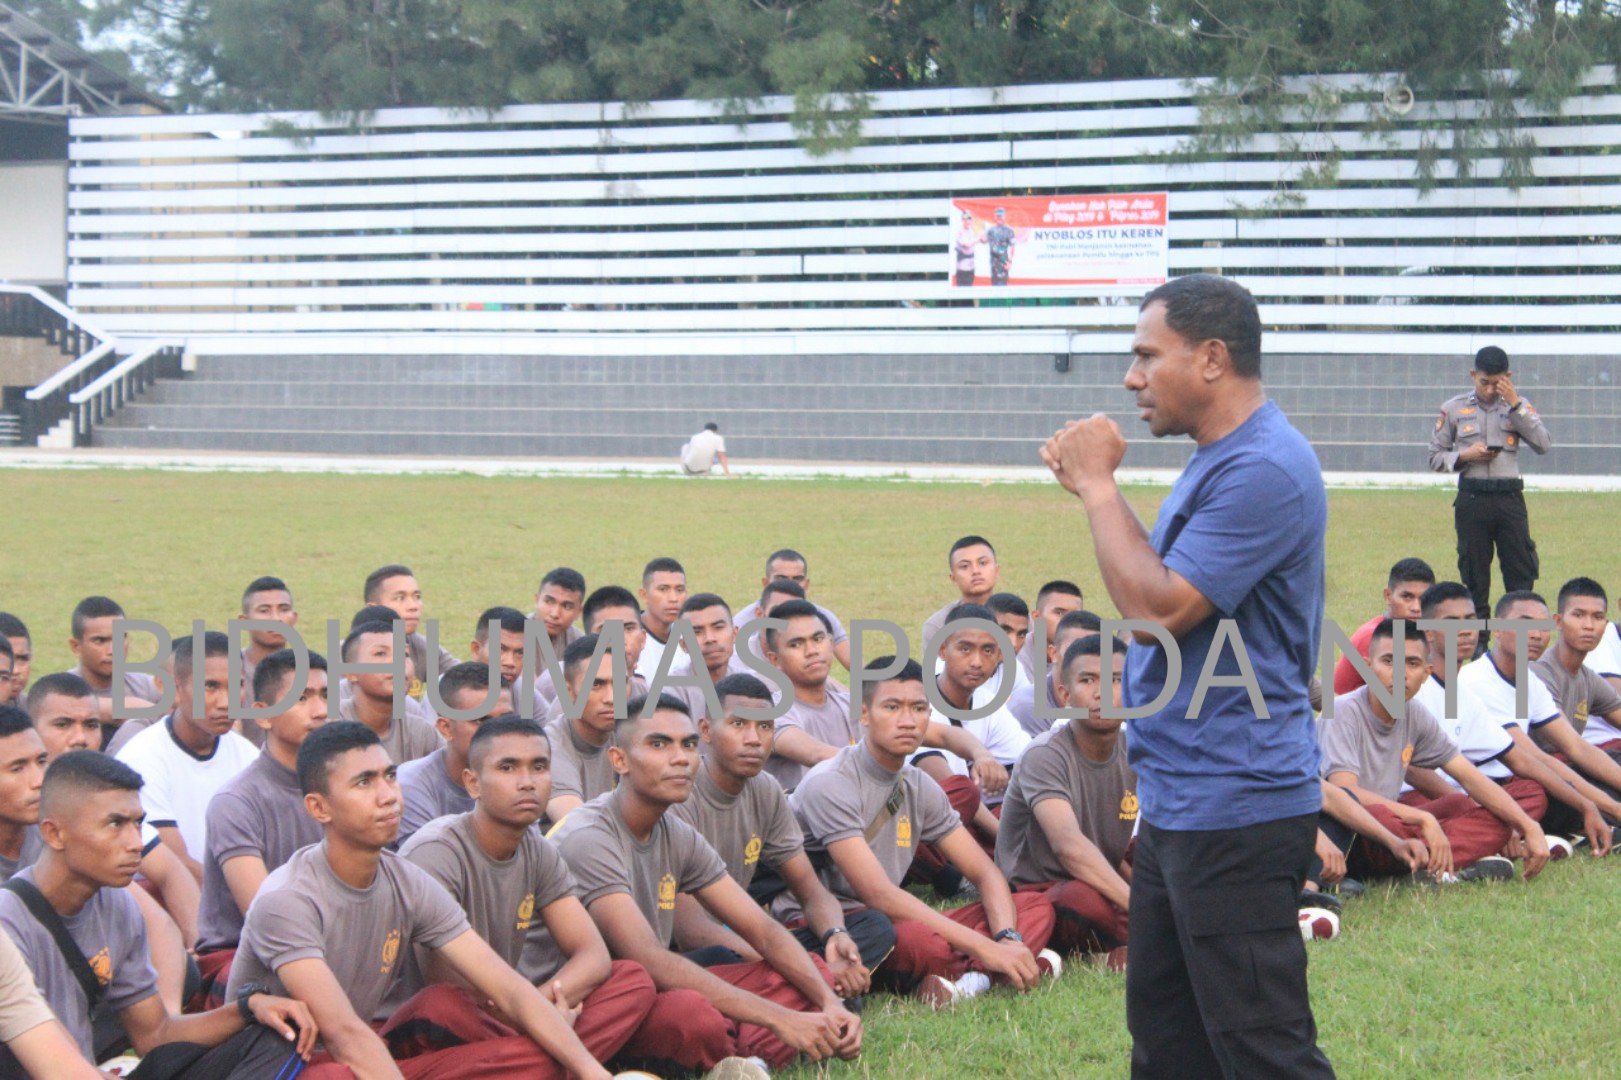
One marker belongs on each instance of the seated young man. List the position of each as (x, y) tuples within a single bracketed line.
[(1404, 591), (632, 857), (519, 895), (64, 712), (557, 606), (334, 926), (711, 620), (971, 566), (369, 697), (22, 768), (775, 594), (1071, 627), (193, 753), (1012, 615), (395, 589), (745, 817), (1054, 600), (507, 655), (90, 823), (1366, 749), (664, 589), (1585, 698), (92, 645), (609, 604), (787, 577), (1071, 810), (432, 787), (8, 669), (580, 767), (15, 631), (864, 810), (268, 599), (257, 821), (819, 722)]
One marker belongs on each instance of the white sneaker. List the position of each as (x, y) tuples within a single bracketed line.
[(1050, 963), (942, 993), (739, 1068)]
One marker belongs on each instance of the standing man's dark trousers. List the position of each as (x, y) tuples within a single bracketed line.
[(1488, 514), (1216, 986)]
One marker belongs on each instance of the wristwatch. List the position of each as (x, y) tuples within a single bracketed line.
[(242, 996), (827, 937), (1009, 934)]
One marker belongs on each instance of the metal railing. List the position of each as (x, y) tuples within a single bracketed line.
[(29, 311), (120, 384)]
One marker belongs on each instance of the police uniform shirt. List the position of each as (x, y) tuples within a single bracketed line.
[(747, 830), (1584, 698), (1101, 794), (1466, 422)]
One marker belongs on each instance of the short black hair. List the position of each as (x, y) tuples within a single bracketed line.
[(1208, 307), (1386, 628), (14, 721), (564, 578), (264, 584), (1080, 619), (793, 609), (373, 613), (1582, 586), (665, 702), (911, 671), (86, 772), (1509, 599), (5, 648), (785, 555), (968, 542), (1057, 588), (605, 597), (62, 682), (493, 729), (1006, 603), (375, 579), (214, 644), (467, 675), (700, 601), (1440, 593), (274, 669), (782, 587), (11, 626), (1407, 570), (361, 630), (969, 611), (1491, 360), (711, 426), (326, 743), (661, 565), (510, 618), (94, 607), (1091, 645), (577, 654), (739, 684)]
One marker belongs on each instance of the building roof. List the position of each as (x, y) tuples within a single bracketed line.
[(43, 76)]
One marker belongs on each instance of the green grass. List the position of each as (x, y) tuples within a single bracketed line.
[(1499, 981)]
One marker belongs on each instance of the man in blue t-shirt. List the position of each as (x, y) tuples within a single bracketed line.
[(1226, 759)]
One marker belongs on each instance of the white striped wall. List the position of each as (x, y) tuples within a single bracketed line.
[(670, 220)]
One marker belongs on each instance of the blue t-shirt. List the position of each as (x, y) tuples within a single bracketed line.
[(1245, 525)]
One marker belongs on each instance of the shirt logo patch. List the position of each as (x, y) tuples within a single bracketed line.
[(667, 893), (415, 689), (102, 965), (903, 831), (1467, 429), (751, 853), (1580, 716), (1407, 755), (1467, 411), (1508, 440), (391, 951), (1128, 806), (526, 912), (1440, 421)]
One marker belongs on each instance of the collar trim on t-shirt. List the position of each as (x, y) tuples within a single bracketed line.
[(168, 724)]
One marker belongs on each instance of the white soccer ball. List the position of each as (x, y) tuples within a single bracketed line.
[(1319, 924)]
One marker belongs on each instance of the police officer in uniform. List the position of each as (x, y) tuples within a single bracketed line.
[(1478, 436)]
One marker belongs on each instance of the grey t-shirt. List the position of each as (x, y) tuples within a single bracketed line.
[(1022, 705), (1581, 694), (752, 827), (410, 736), (1102, 795), (503, 900), (578, 768), (304, 912), (607, 859), (844, 795), (1357, 741), (428, 792), (111, 934), (25, 857), (261, 814), (829, 723)]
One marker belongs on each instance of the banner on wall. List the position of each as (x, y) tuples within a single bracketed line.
[(1059, 240)]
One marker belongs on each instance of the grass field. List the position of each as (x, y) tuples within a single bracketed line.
[(1501, 981)]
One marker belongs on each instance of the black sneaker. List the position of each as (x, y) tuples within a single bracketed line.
[(1327, 901), (1491, 868), (1350, 888)]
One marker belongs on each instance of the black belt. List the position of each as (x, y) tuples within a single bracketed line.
[(1503, 486)]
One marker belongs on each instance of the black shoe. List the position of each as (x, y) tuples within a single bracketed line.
[(1327, 901), (1349, 888), (1491, 868)]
